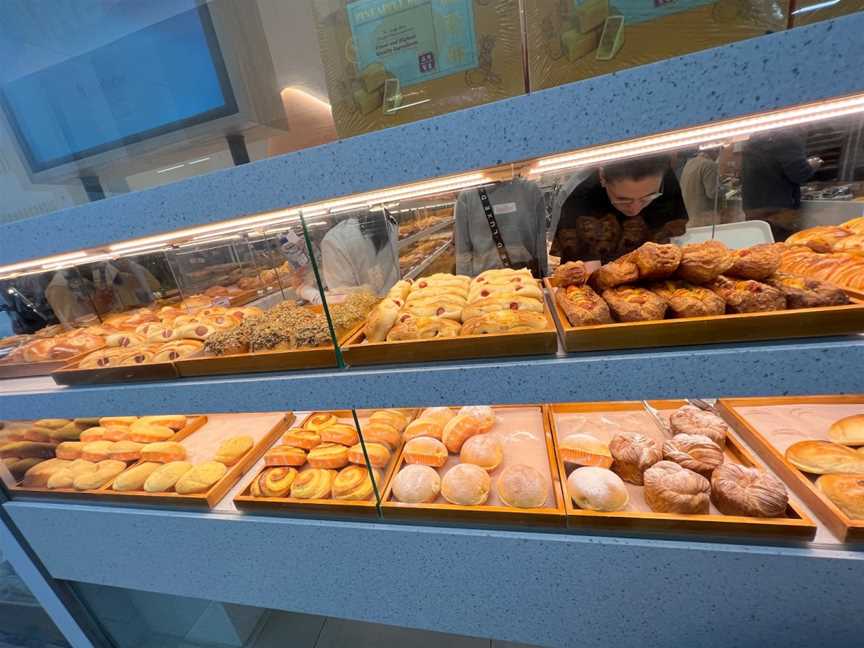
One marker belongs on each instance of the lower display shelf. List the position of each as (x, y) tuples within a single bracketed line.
[(516, 586)]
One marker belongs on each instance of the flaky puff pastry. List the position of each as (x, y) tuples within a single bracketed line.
[(631, 304), (583, 306), (633, 454), (354, 483), (704, 262), (756, 262), (671, 488), (689, 300), (315, 483), (616, 273), (695, 452), (655, 260), (273, 482), (748, 296), (739, 490), (802, 292), (572, 273), (689, 419)]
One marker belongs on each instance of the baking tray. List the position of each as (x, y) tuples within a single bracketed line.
[(323, 508), (357, 351), (70, 374), (743, 327), (796, 527), (811, 421), (29, 369), (493, 513)]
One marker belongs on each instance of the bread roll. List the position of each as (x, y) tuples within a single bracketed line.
[(695, 452), (824, 457), (232, 450), (300, 438), (426, 451), (848, 431), (521, 486), (133, 479), (105, 472), (394, 418), (285, 455), (416, 484), (483, 414), (483, 450), (379, 454), (19, 467), (318, 421), (689, 419), (670, 488), (27, 449), (201, 478), (353, 483), (738, 490), (165, 476), (458, 430), (125, 451), (105, 421), (163, 452), (339, 433), (315, 483), (174, 421), (69, 450), (423, 427), (380, 432), (584, 450), (65, 478), (466, 484), (597, 489), (274, 482), (440, 414), (328, 455), (633, 454), (38, 475), (97, 450), (846, 491), (149, 433)]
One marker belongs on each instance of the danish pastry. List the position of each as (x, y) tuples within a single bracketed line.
[(823, 457), (656, 261), (584, 450), (801, 292), (301, 438), (748, 296), (846, 491), (695, 452), (504, 321), (689, 419), (583, 306), (133, 479), (671, 488), (633, 454), (379, 454), (416, 484), (274, 482), (632, 304), (353, 483), (466, 484), (328, 455), (572, 273), (757, 262), (201, 478), (458, 430), (688, 300), (165, 476), (285, 455), (315, 483), (232, 450), (521, 486), (340, 433), (597, 489), (701, 263), (737, 490), (426, 451), (618, 272)]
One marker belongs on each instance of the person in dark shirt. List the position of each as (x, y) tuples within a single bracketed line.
[(618, 208), (773, 168)]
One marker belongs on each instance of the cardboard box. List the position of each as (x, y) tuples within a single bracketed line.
[(388, 62), (653, 30), (807, 12)]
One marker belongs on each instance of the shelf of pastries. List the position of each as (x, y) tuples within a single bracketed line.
[(833, 253), (443, 317), (150, 460), (699, 293)]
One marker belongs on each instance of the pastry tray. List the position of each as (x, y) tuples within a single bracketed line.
[(28, 369), (525, 434), (805, 417), (603, 420), (201, 437), (320, 508), (738, 327), (70, 374), (357, 351)]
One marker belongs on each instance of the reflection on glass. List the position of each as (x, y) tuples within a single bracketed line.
[(700, 186), (23, 622)]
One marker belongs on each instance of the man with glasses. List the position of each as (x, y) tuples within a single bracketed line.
[(617, 208)]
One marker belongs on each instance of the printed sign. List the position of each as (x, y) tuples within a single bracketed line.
[(636, 11)]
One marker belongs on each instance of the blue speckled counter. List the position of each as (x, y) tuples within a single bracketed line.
[(546, 589), (820, 366), (802, 65)]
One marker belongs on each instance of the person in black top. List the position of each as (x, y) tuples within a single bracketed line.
[(618, 208)]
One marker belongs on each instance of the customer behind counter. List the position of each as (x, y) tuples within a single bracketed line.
[(617, 208)]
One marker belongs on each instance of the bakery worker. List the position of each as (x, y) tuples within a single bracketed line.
[(617, 208), (360, 252), (514, 236)]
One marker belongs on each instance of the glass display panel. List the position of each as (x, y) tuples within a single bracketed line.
[(23, 622)]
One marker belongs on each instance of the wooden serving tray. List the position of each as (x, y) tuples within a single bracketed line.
[(795, 527), (497, 515), (357, 351), (771, 446), (70, 374), (29, 369), (193, 423), (775, 325), (323, 508)]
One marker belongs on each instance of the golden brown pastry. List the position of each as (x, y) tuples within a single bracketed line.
[(583, 306), (133, 479), (285, 455), (584, 450), (232, 450), (521, 486), (69, 450), (96, 434), (162, 452), (340, 433), (315, 483), (459, 429), (757, 262), (597, 489), (328, 455), (824, 457), (688, 300), (96, 450), (105, 472), (483, 450), (704, 262), (69, 432), (201, 478), (379, 454), (353, 483), (393, 417), (503, 276), (380, 432), (656, 261), (671, 488), (274, 482), (632, 304), (572, 273), (511, 301), (466, 484), (504, 321), (174, 421), (617, 273), (690, 419), (301, 438), (382, 319), (423, 427), (440, 414), (65, 477), (748, 296), (738, 490), (423, 328), (416, 484), (695, 452), (165, 476), (483, 414), (400, 290), (848, 431), (819, 239), (38, 475), (148, 433), (426, 451), (846, 491), (318, 421), (108, 421), (444, 307), (125, 451), (801, 292), (51, 424), (482, 291), (632, 455)]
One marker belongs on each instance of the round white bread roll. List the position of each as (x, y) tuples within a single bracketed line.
[(416, 484), (597, 489)]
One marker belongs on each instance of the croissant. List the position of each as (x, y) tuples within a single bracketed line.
[(737, 490), (632, 455), (670, 488), (695, 452)]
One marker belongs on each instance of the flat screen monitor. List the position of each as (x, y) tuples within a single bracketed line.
[(161, 78)]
